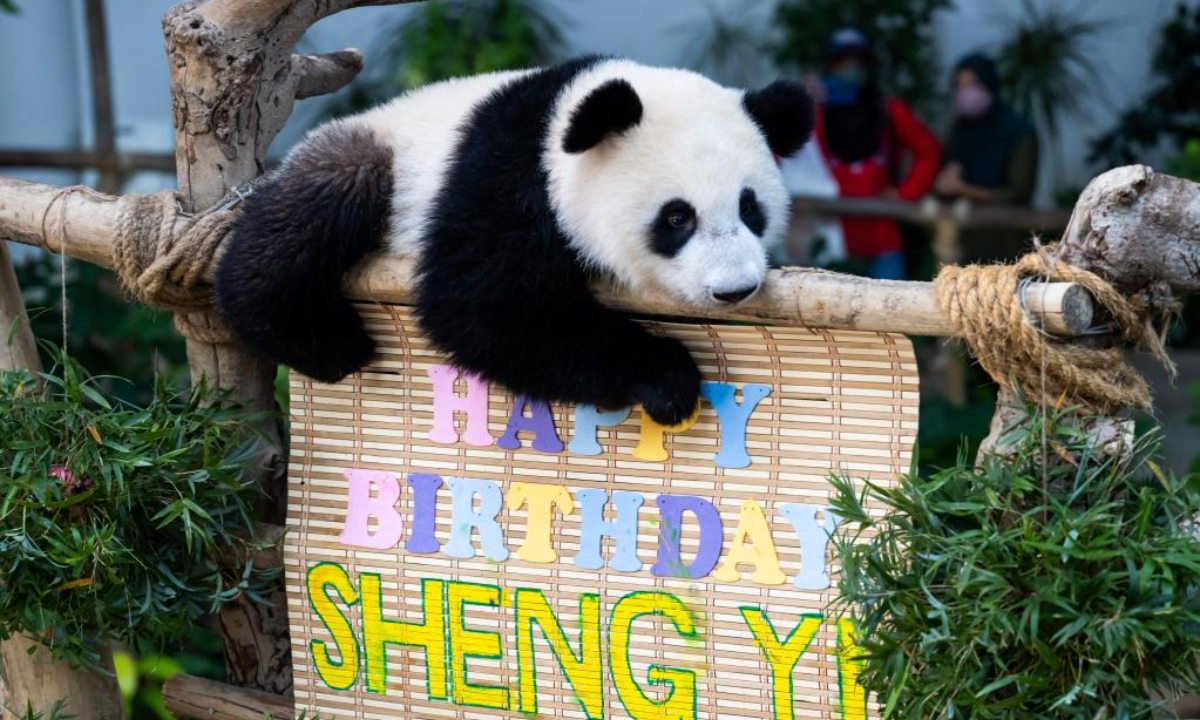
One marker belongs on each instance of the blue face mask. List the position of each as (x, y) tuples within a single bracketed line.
[(840, 90)]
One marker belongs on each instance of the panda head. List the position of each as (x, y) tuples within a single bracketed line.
[(669, 181)]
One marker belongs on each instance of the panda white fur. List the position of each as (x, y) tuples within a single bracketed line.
[(512, 190)]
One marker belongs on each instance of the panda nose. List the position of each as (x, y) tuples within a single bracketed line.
[(735, 296)]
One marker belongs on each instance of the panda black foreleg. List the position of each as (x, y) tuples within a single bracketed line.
[(279, 283), (563, 349)]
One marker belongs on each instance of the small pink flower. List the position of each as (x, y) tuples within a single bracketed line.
[(71, 483)]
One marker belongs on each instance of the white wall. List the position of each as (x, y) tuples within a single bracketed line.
[(42, 64)]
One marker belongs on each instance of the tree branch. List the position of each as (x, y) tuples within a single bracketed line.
[(325, 74)]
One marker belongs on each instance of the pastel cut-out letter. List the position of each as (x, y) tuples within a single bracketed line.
[(421, 539), (362, 505), (540, 499), (753, 545), (588, 419), (670, 535), (593, 528), (539, 422), (651, 445), (446, 403), (464, 518), (734, 418), (814, 542)]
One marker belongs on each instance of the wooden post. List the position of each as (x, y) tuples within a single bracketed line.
[(31, 678), (234, 81)]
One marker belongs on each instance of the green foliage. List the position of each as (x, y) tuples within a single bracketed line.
[(902, 30), (9, 6), (57, 711), (1047, 62), (1038, 586), (1170, 111), (1187, 163), (453, 38), (112, 516), (107, 333)]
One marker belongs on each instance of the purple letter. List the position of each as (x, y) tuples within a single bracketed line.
[(539, 421), (670, 532), (424, 492)]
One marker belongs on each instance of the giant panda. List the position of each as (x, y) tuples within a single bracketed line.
[(512, 190)]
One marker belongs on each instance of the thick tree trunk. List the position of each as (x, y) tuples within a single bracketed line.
[(233, 83)]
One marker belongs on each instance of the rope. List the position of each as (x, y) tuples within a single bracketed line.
[(985, 305), (164, 265)]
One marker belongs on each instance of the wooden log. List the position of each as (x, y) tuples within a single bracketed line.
[(186, 696), (791, 296)]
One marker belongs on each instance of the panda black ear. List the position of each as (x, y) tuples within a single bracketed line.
[(784, 112), (609, 110)]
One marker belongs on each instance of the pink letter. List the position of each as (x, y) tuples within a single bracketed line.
[(446, 403), (361, 507)]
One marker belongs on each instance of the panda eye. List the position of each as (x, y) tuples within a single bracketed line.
[(675, 225), (752, 213)]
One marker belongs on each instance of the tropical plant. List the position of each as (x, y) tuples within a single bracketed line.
[(726, 46), (1047, 63), (453, 38), (1056, 581), (1170, 111), (113, 516), (902, 30)]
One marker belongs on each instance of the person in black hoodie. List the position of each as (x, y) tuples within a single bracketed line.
[(992, 152)]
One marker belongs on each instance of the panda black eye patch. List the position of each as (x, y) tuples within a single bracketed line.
[(752, 213), (674, 226)]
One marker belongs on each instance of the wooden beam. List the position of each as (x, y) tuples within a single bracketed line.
[(792, 296), (84, 159), (186, 696)]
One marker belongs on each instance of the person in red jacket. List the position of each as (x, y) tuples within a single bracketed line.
[(865, 137)]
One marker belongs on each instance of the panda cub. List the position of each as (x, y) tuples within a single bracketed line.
[(511, 190)]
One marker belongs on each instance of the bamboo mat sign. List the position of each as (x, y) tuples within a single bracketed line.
[(457, 552)]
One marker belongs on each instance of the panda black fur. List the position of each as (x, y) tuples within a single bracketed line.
[(513, 190)]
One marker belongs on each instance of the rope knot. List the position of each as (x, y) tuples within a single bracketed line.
[(163, 255), (984, 305)]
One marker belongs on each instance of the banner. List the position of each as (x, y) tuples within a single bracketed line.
[(455, 551)]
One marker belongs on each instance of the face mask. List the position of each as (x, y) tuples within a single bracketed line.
[(844, 86), (972, 102)]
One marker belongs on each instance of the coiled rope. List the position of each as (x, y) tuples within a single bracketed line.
[(984, 304), (163, 256)]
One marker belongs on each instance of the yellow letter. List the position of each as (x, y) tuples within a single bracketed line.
[(854, 696), (465, 644), (781, 656), (680, 703), (541, 500), (337, 675), (429, 634), (585, 672), (650, 441), (752, 525)]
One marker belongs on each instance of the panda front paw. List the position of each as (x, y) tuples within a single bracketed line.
[(669, 388)]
